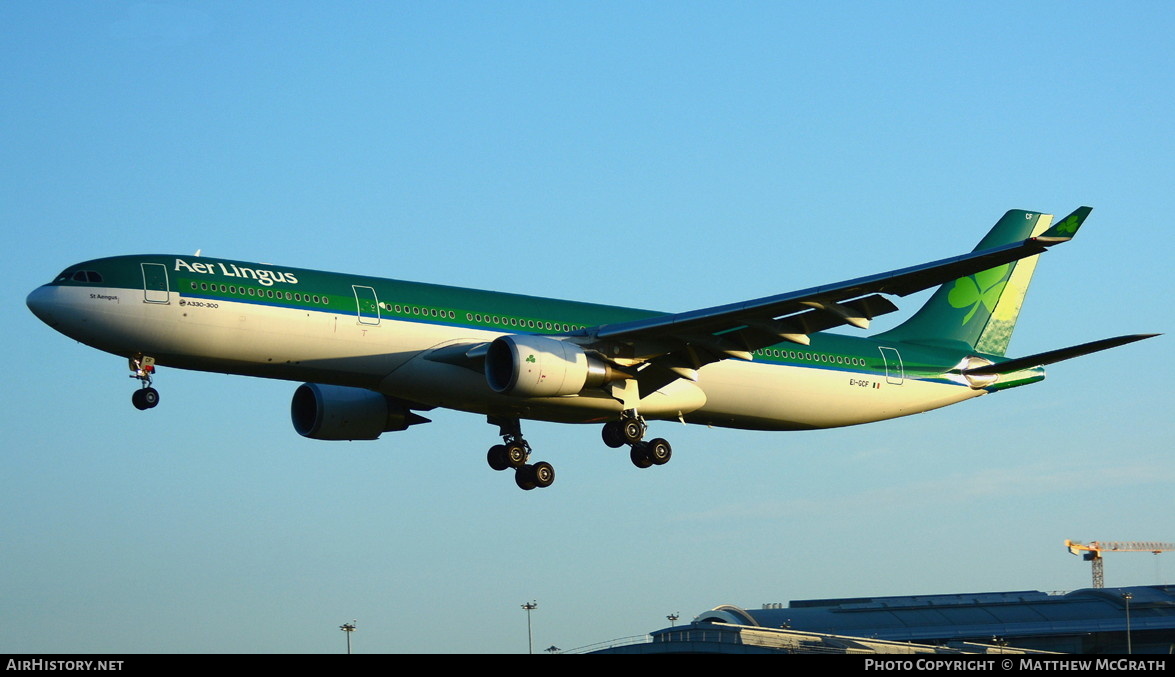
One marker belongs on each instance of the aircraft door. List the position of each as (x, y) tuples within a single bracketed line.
[(367, 304), (894, 373), (155, 287)]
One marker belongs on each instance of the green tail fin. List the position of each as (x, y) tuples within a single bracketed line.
[(978, 312)]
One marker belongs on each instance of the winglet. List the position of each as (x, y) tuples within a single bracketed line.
[(1066, 228)]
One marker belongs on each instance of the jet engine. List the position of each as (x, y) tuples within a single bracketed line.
[(537, 366), (324, 412)]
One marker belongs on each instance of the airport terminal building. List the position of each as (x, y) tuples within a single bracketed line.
[(1136, 620)]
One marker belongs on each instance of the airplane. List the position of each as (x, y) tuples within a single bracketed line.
[(373, 352)]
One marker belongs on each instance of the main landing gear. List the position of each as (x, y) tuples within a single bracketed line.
[(514, 453), (630, 430), (143, 367)]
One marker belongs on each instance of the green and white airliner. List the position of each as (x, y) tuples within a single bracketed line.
[(373, 352)]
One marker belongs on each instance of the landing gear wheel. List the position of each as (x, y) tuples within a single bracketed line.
[(524, 478), (544, 474), (497, 457), (145, 398), (516, 455), (613, 434), (640, 456), (633, 430), (658, 451)]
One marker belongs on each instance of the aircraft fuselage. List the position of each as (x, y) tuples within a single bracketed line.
[(389, 336)]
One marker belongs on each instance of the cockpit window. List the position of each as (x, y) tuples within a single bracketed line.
[(91, 276)]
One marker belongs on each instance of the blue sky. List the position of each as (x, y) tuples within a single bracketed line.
[(662, 155)]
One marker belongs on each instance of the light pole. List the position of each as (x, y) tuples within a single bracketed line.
[(529, 606), (348, 628), (1127, 596), (673, 618)]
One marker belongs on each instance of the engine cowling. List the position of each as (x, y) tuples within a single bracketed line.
[(325, 412), (537, 366)]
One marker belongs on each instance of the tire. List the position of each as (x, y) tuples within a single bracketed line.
[(632, 430), (613, 434), (544, 474), (659, 451), (515, 455), (139, 401), (524, 478), (496, 457), (640, 456), (150, 397)]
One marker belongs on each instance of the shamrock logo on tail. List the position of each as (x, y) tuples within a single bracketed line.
[(1069, 225), (981, 288)]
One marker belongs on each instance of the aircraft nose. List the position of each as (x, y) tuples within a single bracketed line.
[(42, 302)]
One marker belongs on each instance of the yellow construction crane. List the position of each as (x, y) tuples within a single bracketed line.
[(1092, 552)]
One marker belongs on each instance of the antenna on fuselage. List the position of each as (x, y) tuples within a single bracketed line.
[(198, 252)]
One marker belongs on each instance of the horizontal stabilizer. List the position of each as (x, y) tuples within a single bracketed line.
[(1041, 359), (1067, 227)]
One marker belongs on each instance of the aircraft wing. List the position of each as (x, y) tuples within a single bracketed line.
[(678, 344)]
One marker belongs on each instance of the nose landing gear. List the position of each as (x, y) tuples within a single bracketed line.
[(143, 367), (145, 398)]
